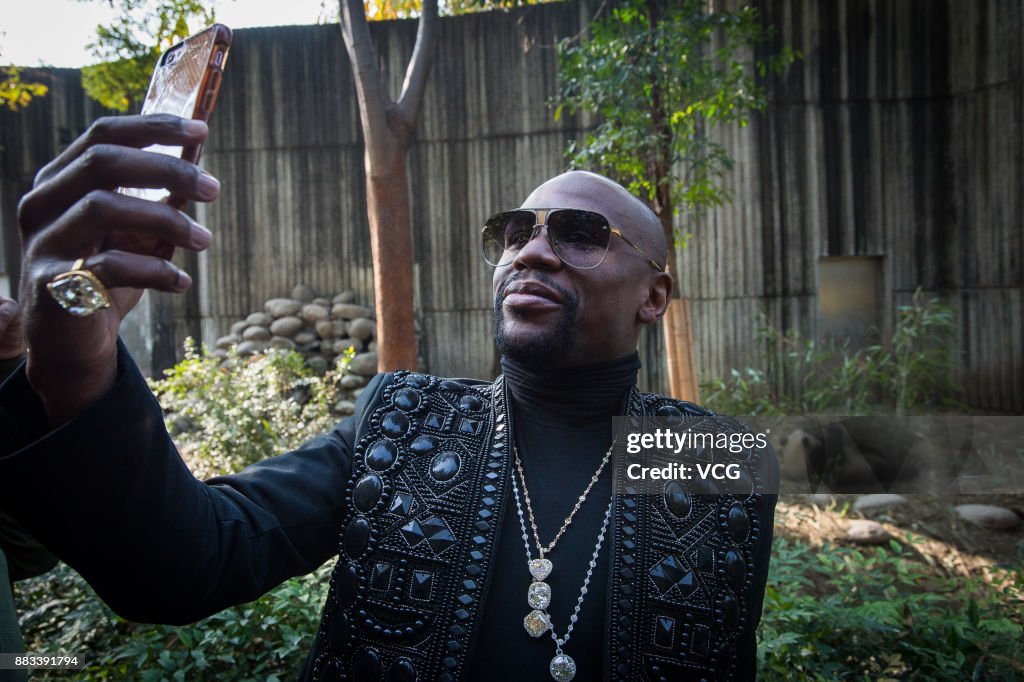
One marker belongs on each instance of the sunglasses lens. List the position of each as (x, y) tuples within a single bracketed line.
[(506, 233), (580, 238)]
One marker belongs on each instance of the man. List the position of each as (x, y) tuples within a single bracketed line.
[(475, 523)]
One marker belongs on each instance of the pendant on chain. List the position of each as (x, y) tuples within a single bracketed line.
[(562, 667)]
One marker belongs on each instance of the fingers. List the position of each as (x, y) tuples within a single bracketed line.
[(116, 269), (107, 167), (105, 217), (129, 131)]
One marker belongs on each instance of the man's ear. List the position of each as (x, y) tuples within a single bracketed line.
[(656, 303)]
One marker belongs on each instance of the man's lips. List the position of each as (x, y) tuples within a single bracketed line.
[(530, 294)]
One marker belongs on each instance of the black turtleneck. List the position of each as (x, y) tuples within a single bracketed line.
[(562, 422)]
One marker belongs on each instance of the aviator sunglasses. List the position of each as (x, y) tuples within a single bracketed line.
[(579, 238)]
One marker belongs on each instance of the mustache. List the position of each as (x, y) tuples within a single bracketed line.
[(536, 276)]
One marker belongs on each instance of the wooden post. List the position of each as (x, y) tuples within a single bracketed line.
[(682, 371)]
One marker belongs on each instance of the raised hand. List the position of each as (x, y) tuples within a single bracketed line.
[(74, 212)]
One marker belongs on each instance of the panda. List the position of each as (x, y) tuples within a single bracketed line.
[(849, 456)]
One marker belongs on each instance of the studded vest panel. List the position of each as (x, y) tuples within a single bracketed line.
[(429, 482)]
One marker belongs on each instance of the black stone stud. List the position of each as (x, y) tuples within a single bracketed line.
[(407, 399), (664, 631), (423, 445), (470, 403), (445, 466), (348, 585), (735, 569), (402, 670), (417, 381), (738, 522), (357, 536), (381, 455), (395, 424), (337, 632), (728, 610), (677, 500), (421, 585), (367, 667), (367, 492), (381, 577)]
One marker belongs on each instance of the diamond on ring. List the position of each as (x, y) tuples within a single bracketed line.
[(78, 291)]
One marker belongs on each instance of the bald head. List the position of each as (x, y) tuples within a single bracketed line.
[(593, 192)]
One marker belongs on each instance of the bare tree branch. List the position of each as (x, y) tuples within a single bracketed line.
[(418, 71), (373, 100)]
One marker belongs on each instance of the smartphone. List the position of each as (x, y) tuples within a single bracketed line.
[(185, 83)]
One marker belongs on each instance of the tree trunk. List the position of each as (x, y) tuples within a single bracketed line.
[(387, 196), (388, 129), (676, 328)]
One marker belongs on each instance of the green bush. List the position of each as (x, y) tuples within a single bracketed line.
[(913, 373), (842, 613), (227, 414)]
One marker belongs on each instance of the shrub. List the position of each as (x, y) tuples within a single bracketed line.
[(842, 613), (227, 414), (914, 372)]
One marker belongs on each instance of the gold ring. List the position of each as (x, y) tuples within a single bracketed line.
[(78, 291)]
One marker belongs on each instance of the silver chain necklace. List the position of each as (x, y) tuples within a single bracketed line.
[(538, 621)]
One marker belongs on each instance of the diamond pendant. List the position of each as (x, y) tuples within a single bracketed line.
[(536, 623), (539, 596), (540, 568), (562, 667)]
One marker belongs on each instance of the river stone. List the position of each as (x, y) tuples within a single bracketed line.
[(351, 381), (324, 329), (282, 307), (317, 363), (867, 532), (306, 337), (311, 313), (877, 502), (322, 302), (228, 341), (259, 320), (256, 334), (238, 327), (251, 347), (350, 311), (373, 346), (282, 342), (304, 293), (364, 364), (341, 345), (988, 516), (821, 499), (339, 329), (344, 297), (362, 328), (345, 407), (326, 346), (286, 326)]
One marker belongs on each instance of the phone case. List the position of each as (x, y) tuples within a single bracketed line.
[(185, 83)]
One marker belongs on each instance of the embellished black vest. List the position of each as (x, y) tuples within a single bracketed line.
[(430, 482)]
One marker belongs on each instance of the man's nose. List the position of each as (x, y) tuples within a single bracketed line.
[(537, 253)]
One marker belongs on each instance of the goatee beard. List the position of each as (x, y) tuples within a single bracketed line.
[(551, 347)]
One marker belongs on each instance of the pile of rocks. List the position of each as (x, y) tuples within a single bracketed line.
[(320, 328)]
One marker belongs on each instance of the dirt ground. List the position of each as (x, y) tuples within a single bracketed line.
[(948, 544)]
